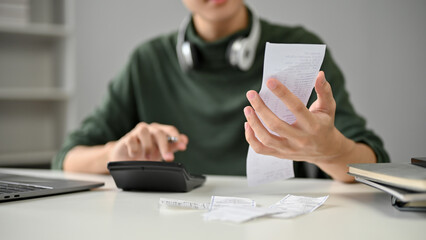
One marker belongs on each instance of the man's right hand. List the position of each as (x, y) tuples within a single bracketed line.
[(148, 142)]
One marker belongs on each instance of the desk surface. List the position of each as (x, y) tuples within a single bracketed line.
[(353, 211)]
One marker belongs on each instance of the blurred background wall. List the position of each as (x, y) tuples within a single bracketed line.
[(380, 45)]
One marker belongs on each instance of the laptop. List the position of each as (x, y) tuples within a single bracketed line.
[(16, 187)]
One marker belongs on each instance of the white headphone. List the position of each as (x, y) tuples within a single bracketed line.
[(240, 52)]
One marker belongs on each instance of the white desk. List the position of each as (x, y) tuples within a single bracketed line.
[(353, 211)]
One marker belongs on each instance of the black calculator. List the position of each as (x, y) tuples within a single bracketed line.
[(154, 176)]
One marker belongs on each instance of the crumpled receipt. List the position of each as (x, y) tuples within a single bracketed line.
[(293, 206), (239, 214), (239, 210)]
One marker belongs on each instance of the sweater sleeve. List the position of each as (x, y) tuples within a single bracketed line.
[(111, 120)]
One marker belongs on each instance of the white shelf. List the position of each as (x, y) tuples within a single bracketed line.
[(35, 29), (45, 94), (37, 74), (26, 158)]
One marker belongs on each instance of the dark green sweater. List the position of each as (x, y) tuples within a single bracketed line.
[(205, 104)]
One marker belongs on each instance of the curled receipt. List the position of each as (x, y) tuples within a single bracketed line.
[(220, 201), (296, 66)]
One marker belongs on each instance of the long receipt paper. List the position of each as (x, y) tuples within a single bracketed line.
[(296, 66)]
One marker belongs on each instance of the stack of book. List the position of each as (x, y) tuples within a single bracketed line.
[(405, 182)]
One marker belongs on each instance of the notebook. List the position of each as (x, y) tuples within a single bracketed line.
[(401, 194), (402, 199), (16, 187), (402, 175)]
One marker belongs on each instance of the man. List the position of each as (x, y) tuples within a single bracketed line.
[(159, 96)]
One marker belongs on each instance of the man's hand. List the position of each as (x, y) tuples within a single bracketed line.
[(312, 137), (148, 142)]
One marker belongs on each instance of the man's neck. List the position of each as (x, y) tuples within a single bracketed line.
[(214, 30)]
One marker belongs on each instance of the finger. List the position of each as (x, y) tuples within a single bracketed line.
[(147, 144), (182, 142), (162, 143), (257, 146), (261, 133), (133, 146), (325, 101), (271, 120), (293, 103)]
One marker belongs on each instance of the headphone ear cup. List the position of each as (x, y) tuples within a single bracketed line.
[(245, 56), (242, 51), (239, 54), (190, 55), (232, 52)]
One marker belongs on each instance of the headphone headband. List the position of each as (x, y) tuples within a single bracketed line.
[(241, 52)]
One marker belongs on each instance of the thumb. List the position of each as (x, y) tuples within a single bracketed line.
[(325, 101)]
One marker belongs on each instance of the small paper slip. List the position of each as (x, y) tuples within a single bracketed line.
[(238, 214), (296, 66), (219, 202), (176, 203), (293, 206)]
